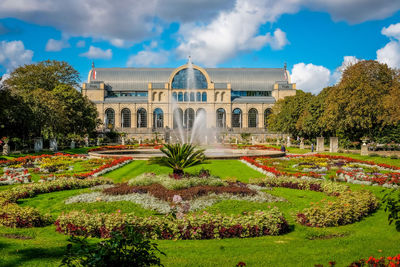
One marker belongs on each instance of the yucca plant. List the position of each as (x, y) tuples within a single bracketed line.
[(181, 156)]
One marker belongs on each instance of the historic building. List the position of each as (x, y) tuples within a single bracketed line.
[(141, 101)]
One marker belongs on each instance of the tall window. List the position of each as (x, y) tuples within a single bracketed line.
[(126, 118), (191, 97), (252, 118), (180, 80), (180, 97), (178, 118), (141, 118), (158, 117), (237, 118), (221, 118), (174, 96), (188, 119), (185, 97), (109, 119), (198, 97), (267, 113), (204, 97)]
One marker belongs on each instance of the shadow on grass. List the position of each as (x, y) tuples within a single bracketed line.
[(23, 256)]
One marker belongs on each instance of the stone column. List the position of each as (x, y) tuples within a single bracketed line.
[(288, 143), (320, 144), (53, 145), (38, 144), (333, 144), (123, 140)]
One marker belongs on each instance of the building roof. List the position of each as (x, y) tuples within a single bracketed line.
[(241, 79)]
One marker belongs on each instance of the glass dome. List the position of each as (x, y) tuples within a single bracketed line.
[(180, 80)]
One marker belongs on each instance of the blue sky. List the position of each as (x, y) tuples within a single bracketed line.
[(316, 38)]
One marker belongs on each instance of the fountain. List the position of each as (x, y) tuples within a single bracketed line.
[(192, 132)]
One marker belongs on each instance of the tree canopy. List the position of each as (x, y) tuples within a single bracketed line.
[(42, 100), (365, 103)]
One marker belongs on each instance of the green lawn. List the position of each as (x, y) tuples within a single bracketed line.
[(303, 246), (222, 168)]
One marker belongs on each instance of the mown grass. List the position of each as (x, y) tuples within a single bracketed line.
[(222, 168), (303, 246)]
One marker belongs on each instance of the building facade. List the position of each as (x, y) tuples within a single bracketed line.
[(141, 101)]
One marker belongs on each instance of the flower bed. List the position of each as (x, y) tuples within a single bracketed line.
[(378, 262), (163, 193), (157, 197), (15, 176), (172, 183), (348, 208), (12, 215), (51, 167), (204, 226), (326, 166), (125, 147)]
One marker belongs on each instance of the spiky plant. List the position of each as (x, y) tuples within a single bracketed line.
[(181, 156)]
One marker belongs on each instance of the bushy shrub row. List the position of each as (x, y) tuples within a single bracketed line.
[(329, 188), (12, 215), (163, 193), (204, 226), (31, 190), (175, 184), (349, 207)]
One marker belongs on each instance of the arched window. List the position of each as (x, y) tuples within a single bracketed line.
[(237, 118), (174, 96), (201, 117), (125, 118), (198, 96), (178, 118), (221, 118), (216, 96), (158, 118), (180, 80), (252, 118), (109, 118), (192, 97), (180, 97), (141, 118), (267, 113), (204, 97), (188, 119), (185, 97)]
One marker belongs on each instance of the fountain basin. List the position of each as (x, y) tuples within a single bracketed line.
[(210, 153)]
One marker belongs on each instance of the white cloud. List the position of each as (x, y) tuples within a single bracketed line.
[(81, 43), (390, 53), (231, 32), (147, 58), (310, 77), (56, 45), (13, 54), (96, 52), (137, 20)]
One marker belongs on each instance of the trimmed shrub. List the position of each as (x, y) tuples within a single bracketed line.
[(204, 226), (348, 208), (12, 215)]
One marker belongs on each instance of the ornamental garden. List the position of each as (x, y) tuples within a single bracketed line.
[(274, 201), (300, 209)]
